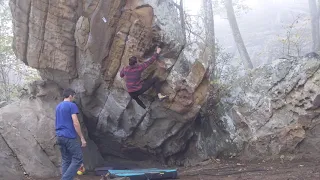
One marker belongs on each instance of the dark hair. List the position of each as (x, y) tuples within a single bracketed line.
[(68, 92), (132, 60)]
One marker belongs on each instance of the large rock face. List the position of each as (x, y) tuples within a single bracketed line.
[(9, 165), (274, 113), (84, 45)]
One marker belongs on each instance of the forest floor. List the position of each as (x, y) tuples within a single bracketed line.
[(237, 170)]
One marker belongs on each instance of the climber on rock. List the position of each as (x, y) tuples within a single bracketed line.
[(132, 76)]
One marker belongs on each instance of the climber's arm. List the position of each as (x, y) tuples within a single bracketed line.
[(122, 73), (151, 60)]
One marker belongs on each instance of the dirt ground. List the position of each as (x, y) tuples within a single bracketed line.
[(254, 171), (236, 170)]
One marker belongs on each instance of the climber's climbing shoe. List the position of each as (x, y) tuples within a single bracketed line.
[(162, 97)]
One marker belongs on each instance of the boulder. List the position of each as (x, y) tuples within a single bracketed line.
[(85, 44), (28, 134), (272, 110), (9, 164)]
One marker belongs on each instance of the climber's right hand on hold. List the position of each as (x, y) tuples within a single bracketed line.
[(161, 64), (158, 50)]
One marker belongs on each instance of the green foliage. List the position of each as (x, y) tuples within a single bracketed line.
[(13, 73), (225, 76), (294, 39)]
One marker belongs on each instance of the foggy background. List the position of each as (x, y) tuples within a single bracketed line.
[(262, 27)]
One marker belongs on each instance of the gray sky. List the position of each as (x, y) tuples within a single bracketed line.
[(194, 5)]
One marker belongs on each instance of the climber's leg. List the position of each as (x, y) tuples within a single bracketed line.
[(152, 82), (136, 98), (147, 84)]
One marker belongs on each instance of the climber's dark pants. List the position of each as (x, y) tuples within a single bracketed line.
[(147, 84)]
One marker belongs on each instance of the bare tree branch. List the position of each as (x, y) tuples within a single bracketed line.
[(182, 19), (176, 5)]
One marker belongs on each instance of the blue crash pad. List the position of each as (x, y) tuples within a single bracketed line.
[(145, 174)]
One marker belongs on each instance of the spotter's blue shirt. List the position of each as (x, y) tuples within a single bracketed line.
[(64, 123)]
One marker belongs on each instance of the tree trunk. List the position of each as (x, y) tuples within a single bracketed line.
[(237, 35), (183, 23), (314, 25), (318, 8), (182, 20), (209, 36), (209, 54)]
